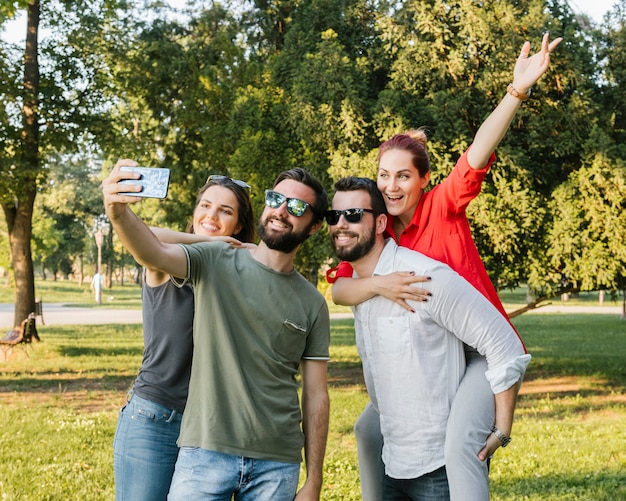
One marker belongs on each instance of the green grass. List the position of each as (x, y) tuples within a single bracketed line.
[(72, 294), (59, 410), (514, 298)]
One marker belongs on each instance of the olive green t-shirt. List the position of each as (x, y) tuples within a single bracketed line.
[(252, 327)]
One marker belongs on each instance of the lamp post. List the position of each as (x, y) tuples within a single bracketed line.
[(98, 235)]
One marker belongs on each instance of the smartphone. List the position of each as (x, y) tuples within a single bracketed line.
[(154, 181)]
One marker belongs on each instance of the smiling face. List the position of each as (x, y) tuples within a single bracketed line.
[(400, 183), (217, 213), (352, 241), (281, 230)]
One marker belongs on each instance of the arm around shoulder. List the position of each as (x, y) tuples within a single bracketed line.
[(397, 287)]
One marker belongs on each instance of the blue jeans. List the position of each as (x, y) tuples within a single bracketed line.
[(214, 476), (145, 450), (430, 487)]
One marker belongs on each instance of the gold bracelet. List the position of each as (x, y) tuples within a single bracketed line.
[(515, 93)]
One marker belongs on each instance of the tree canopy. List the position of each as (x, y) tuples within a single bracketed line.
[(248, 89)]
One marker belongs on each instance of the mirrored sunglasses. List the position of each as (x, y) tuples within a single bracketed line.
[(295, 206), (351, 215), (238, 182)]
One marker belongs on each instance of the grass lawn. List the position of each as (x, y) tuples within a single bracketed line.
[(59, 409), (59, 406), (79, 295)]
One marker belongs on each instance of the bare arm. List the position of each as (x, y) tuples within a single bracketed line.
[(180, 237), (396, 287), (315, 416), (133, 233), (525, 74), (505, 408)]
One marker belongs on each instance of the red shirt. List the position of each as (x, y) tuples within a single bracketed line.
[(440, 229)]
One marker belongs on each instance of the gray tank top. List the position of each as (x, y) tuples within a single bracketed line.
[(168, 345)]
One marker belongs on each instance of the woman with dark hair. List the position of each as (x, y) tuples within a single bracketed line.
[(145, 448)]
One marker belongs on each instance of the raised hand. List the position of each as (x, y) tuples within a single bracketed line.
[(528, 69)]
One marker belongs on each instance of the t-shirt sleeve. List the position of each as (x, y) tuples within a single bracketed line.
[(181, 281), (318, 340)]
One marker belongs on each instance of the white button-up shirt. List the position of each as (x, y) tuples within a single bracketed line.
[(413, 362)]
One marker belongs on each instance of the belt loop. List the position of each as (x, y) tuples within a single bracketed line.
[(130, 393)]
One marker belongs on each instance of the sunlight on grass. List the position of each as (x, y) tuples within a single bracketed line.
[(59, 408), (127, 296)]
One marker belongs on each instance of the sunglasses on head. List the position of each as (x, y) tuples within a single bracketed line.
[(238, 182), (295, 206), (351, 215)]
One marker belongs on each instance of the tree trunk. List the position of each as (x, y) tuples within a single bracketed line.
[(19, 213), (19, 218)]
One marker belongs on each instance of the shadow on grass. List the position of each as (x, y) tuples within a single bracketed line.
[(88, 351), (607, 485), (345, 374), (48, 383)]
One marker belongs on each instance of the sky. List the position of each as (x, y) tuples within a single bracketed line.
[(595, 9), (15, 30)]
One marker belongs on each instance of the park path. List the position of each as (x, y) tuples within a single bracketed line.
[(59, 314)]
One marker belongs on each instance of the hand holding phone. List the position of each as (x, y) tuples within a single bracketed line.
[(154, 181)]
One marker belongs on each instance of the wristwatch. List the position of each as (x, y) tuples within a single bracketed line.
[(504, 440)]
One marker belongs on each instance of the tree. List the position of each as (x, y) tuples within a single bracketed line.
[(67, 205), (55, 106), (612, 55), (19, 184), (586, 244), (178, 80)]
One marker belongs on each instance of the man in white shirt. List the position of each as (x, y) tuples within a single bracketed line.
[(414, 362)]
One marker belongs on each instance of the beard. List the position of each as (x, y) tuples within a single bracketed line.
[(361, 248), (283, 242)]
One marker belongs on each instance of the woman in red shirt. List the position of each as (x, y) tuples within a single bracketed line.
[(435, 224)]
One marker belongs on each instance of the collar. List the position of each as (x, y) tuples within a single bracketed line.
[(387, 259)]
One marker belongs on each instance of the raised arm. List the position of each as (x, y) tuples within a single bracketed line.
[(180, 237), (526, 72), (133, 233)]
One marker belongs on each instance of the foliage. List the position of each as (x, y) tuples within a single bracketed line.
[(67, 206), (585, 243), (54, 107), (248, 89)]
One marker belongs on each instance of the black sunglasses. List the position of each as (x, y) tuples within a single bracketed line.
[(238, 182), (351, 215), (295, 206)]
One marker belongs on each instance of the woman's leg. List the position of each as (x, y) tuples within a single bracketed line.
[(145, 450), (369, 441), (471, 417)]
